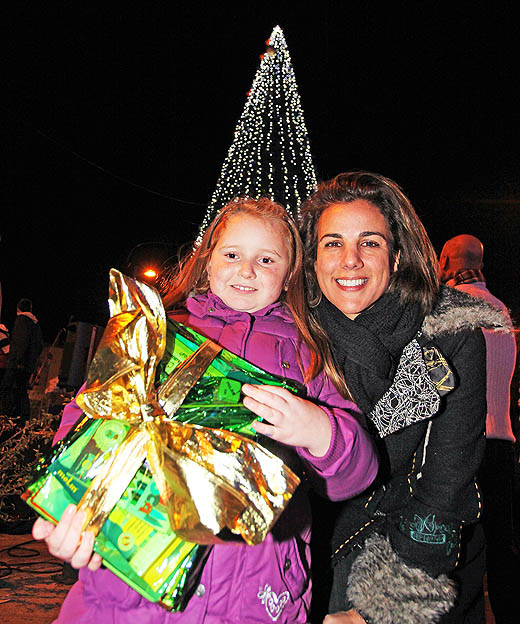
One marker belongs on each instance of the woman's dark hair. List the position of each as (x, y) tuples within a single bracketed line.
[(416, 279)]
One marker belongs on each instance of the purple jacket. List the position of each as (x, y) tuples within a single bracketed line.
[(240, 583)]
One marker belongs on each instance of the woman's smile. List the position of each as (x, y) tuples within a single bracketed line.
[(352, 283)]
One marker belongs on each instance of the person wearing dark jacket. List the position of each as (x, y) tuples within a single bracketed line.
[(4, 350), (410, 548), (24, 350), (461, 264)]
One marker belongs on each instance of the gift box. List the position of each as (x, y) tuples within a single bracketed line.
[(163, 475), (136, 541), (215, 399)]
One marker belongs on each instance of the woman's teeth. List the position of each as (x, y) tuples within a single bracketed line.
[(352, 282)]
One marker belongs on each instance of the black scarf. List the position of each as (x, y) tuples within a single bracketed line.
[(368, 348)]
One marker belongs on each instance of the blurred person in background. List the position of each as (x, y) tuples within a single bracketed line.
[(24, 351), (461, 264)]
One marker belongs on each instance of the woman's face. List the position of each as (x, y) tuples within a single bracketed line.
[(353, 258)]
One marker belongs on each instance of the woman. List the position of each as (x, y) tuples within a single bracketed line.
[(413, 358)]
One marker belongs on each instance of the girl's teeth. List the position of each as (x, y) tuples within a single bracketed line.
[(243, 288)]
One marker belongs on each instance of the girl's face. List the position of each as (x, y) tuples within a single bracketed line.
[(353, 257), (250, 262)]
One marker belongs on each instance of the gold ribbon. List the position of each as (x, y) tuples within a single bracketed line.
[(208, 479)]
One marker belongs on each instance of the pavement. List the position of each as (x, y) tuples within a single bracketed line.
[(32, 583)]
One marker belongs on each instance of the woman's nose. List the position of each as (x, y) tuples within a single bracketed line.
[(351, 257), (247, 270)]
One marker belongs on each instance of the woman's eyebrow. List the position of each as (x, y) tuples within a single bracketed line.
[(373, 234), (331, 235), (361, 234)]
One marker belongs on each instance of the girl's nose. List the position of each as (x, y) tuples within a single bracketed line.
[(247, 270), (351, 257)]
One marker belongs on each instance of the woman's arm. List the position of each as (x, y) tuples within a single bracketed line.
[(426, 532), (423, 536)]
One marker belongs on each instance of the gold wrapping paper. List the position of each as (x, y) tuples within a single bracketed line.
[(208, 479)]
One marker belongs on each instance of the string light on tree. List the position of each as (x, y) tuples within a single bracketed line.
[(270, 153)]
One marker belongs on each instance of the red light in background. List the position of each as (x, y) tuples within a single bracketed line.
[(150, 273)]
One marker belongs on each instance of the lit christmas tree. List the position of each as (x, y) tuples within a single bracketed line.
[(270, 153)]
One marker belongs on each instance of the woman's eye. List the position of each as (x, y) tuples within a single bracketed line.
[(370, 243), (333, 243)]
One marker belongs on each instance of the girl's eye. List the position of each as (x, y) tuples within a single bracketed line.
[(266, 260), (231, 255)]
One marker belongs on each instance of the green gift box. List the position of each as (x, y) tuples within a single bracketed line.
[(215, 399), (136, 542)]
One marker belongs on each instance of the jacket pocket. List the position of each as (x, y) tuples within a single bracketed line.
[(293, 557)]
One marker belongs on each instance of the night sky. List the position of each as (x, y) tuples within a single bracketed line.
[(115, 122)]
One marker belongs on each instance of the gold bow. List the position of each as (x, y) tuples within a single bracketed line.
[(208, 479)]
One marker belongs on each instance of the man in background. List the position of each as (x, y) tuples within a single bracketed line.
[(4, 342), (461, 263), (24, 351), (4, 350)]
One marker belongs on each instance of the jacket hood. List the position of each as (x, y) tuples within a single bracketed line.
[(457, 311)]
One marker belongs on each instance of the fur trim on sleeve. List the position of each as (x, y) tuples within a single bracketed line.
[(385, 590), (457, 311)]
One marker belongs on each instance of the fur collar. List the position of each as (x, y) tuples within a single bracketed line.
[(457, 311)]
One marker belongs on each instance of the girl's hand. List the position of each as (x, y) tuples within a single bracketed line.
[(292, 420), (344, 617), (66, 541)]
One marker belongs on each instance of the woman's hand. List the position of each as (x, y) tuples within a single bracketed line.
[(66, 541), (344, 617), (292, 420)]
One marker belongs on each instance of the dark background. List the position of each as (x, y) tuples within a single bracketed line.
[(115, 121)]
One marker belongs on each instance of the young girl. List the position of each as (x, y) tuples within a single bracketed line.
[(242, 287)]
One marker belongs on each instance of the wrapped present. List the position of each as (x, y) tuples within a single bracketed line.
[(215, 398), (136, 541), (156, 490)]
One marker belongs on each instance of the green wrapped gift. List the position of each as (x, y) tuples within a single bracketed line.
[(215, 399), (136, 541)]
